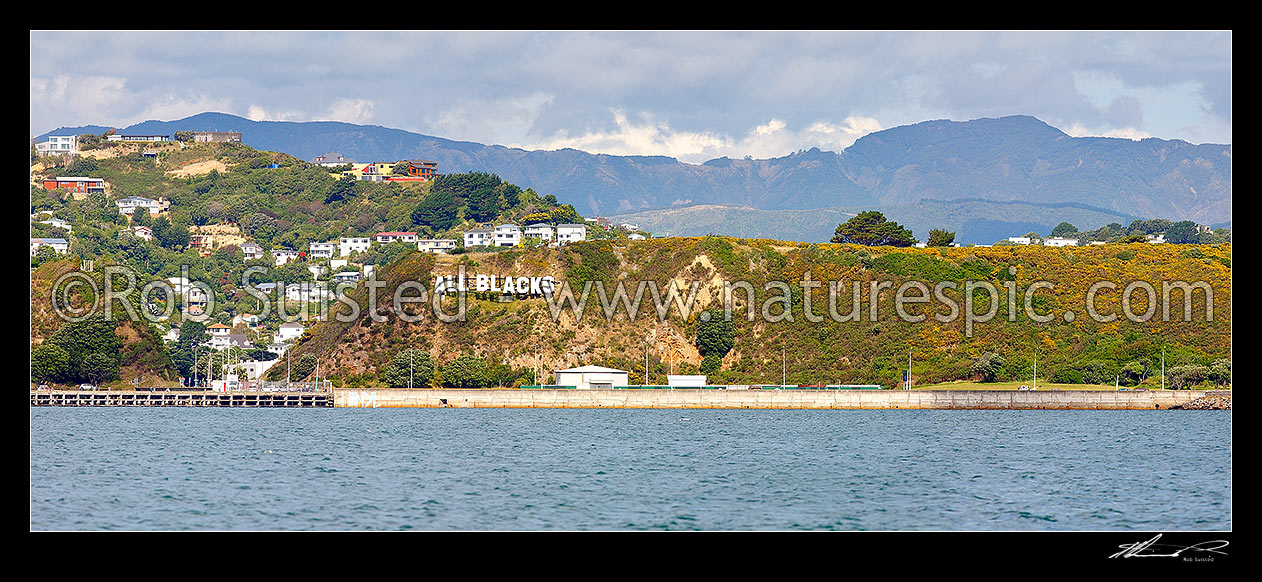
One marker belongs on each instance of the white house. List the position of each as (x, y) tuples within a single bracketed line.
[(507, 235), (236, 340), (347, 277), (255, 370), (635, 236), (58, 144), (591, 377), (1057, 241), (143, 232), (129, 205), (284, 256), (321, 250), (58, 244), (193, 294), (389, 237), (478, 237), (57, 223), (215, 329), (1155, 239), (171, 336), (540, 231), (353, 244), (289, 331), (306, 292), (568, 233), (146, 138), (1020, 240), (629, 226), (439, 246), (251, 250)]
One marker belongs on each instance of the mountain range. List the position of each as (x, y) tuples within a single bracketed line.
[(984, 178)]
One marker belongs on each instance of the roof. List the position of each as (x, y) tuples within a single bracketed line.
[(77, 179), (395, 233), (217, 326), (583, 226), (508, 226), (50, 241), (538, 225), (291, 325), (473, 230), (583, 369)]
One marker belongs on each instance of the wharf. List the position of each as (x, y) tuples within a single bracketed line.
[(193, 399)]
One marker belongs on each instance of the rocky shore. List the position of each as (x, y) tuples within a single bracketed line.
[(1206, 403)]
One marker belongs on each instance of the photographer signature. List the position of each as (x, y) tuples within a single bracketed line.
[(1150, 548)]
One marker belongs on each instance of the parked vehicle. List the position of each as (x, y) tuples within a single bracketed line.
[(87, 387)]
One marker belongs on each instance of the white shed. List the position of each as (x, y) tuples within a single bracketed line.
[(591, 377), (686, 381)]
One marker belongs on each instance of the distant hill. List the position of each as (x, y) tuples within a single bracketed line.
[(969, 170)]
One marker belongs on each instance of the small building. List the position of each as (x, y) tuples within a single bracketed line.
[(249, 319), (306, 292), (686, 380), (57, 244), (252, 250), (138, 138), (151, 154), (507, 235), (1020, 240), (591, 378), (1155, 239), (58, 145), (635, 236), (284, 256), (628, 226), (568, 233), (289, 331), (76, 184), (541, 231), (235, 340), (202, 242), (478, 237), (216, 137), (331, 159), (353, 244), (389, 237), (57, 223), (321, 250), (215, 329), (440, 246), (347, 277), (1057, 241), (130, 204), (426, 169)]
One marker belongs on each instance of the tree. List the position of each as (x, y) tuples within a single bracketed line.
[(711, 364), (44, 254), (715, 335), (1064, 229), (141, 219), (437, 211), (341, 190), (99, 368), (183, 135), (940, 238), (466, 371), (1183, 232), (303, 366), (871, 228), (988, 366), (49, 363), (415, 365)]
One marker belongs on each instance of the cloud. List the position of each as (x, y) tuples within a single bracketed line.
[(350, 111), (506, 121), (655, 138), (650, 138), (173, 107), (1079, 130)]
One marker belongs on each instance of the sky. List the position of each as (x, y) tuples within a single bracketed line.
[(691, 95)]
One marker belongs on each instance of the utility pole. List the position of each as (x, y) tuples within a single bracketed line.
[(409, 369), (1163, 368), (784, 366), (1036, 368), (908, 387)]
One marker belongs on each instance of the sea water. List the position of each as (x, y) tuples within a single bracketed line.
[(516, 469)]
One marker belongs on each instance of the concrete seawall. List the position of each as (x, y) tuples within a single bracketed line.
[(778, 399)]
